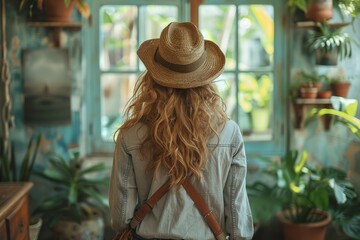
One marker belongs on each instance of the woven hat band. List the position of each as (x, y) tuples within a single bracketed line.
[(180, 67)]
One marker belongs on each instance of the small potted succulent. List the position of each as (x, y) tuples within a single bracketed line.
[(338, 82), (307, 83)]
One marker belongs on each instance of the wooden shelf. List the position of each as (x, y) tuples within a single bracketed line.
[(56, 26), (301, 103), (310, 24), (315, 101)]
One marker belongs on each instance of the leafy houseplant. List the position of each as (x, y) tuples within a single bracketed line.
[(330, 45), (344, 111), (302, 191), (77, 198)]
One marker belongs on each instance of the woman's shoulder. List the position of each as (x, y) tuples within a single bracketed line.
[(229, 133), (134, 134), (231, 127)]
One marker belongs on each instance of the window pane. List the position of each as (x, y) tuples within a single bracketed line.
[(116, 90), (256, 36), (255, 100), (118, 36), (226, 86), (212, 22), (157, 18)]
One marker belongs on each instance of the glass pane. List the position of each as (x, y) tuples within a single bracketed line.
[(255, 100), (256, 36), (226, 86), (217, 23), (157, 18), (118, 36), (116, 90)]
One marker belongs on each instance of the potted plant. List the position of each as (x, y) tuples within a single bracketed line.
[(255, 98), (338, 82), (325, 89), (307, 83), (340, 87), (76, 207), (315, 10), (55, 10), (307, 196), (330, 44)]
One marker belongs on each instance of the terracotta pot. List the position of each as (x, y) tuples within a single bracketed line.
[(340, 89), (324, 94), (56, 11), (308, 92), (319, 10), (304, 231)]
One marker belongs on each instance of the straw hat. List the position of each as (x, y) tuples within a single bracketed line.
[(181, 58)]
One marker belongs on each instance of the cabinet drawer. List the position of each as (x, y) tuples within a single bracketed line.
[(3, 232), (18, 221)]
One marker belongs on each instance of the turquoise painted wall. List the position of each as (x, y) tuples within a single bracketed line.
[(19, 36), (337, 146)]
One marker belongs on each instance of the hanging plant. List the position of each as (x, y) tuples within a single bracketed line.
[(326, 40)]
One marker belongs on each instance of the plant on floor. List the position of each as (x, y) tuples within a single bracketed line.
[(301, 190), (76, 193)]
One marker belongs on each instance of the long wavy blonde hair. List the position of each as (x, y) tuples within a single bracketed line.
[(180, 123)]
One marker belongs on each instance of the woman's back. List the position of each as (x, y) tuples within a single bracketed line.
[(176, 128), (175, 215)]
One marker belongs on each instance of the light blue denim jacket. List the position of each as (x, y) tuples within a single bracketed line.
[(175, 216)]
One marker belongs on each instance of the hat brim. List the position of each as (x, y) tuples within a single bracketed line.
[(212, 67)]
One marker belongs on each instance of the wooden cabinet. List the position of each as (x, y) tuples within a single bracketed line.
[(14, 211)]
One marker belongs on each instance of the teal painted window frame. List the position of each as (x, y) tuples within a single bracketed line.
[(94, 144)]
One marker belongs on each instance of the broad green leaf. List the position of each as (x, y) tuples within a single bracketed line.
[(301, 161)]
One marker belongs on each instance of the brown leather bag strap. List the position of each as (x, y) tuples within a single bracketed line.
[(204, 209), (149, 204)]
